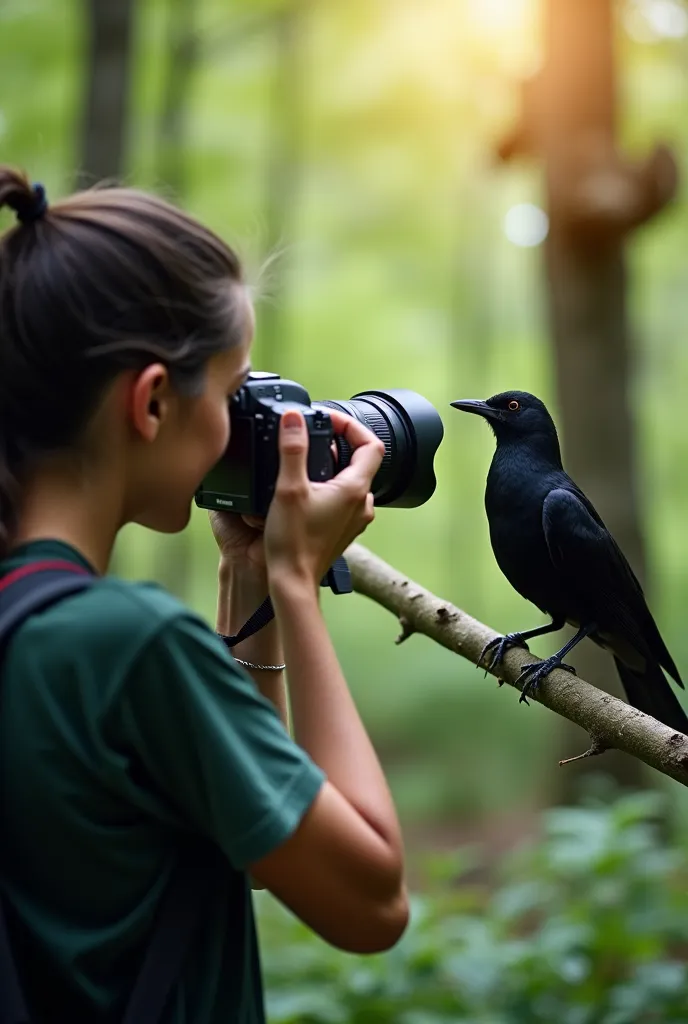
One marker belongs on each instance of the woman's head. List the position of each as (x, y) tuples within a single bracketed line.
[(124, 324)]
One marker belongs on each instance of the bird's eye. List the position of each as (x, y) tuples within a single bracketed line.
[(514, 406)]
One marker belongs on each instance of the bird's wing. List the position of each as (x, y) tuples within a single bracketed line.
[(598, 519), (587, 555)]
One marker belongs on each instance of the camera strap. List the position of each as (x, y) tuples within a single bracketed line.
[(337, 578)]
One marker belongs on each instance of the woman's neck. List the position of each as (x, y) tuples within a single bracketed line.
[(82, 512)]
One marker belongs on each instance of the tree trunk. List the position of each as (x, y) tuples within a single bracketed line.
[(282, 177), (181, 55), (595, 199), (109, 42), (593, 362)]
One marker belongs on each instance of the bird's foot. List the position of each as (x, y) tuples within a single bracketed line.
[(500, 645), (532, 675)]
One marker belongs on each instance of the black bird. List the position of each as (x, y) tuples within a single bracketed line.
[(554, 549)]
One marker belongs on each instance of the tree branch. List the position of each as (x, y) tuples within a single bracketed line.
[(609, 722)]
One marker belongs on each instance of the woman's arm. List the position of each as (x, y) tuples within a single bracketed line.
[(241, 590), (342, 870), (326, 722)]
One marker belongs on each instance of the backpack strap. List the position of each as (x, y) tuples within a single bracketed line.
[(179, 917), (29, 589), (35, 587), (23, 592)]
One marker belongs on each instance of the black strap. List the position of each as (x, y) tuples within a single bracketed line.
[(338, 579), (260, 618), (29, 593), (179, 917), (13, 1008), (187, 896)]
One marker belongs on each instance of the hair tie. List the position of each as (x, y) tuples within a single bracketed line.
[(31, 209)]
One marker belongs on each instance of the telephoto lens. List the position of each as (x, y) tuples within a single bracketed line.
[(411, 430)]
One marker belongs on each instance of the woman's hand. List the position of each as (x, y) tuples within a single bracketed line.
[(240, 540), (310, 524)]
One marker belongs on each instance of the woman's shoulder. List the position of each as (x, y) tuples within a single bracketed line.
[(134, 598), (114, 619), (113, 604), (110, 628), (110, 605)]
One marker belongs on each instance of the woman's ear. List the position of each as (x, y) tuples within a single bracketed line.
[(149, 400)]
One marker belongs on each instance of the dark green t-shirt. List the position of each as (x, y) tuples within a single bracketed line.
[(124, 723)]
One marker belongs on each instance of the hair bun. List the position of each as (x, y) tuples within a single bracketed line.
[(28, 201)]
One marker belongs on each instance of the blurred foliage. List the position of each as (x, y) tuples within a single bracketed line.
[(590, 926), (391, 268)]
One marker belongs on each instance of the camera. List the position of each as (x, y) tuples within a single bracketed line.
[(244, 478)]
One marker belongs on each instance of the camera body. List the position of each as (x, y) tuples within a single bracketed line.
[(243, 481)]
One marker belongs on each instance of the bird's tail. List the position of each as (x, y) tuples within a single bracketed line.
[(651, 692)]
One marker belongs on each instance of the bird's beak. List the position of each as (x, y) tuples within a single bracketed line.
[(476, 406)]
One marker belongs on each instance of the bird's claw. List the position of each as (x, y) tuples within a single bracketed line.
[(532, 675), (502, 645)]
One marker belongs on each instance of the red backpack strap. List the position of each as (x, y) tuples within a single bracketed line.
[(54, 565), (34, 587), (28, 589)]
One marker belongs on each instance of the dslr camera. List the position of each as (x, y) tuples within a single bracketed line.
[(244, 479)]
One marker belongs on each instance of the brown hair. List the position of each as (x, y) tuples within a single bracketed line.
[(100, 282)]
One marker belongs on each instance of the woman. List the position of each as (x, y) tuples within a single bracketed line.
[(126, 726)]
